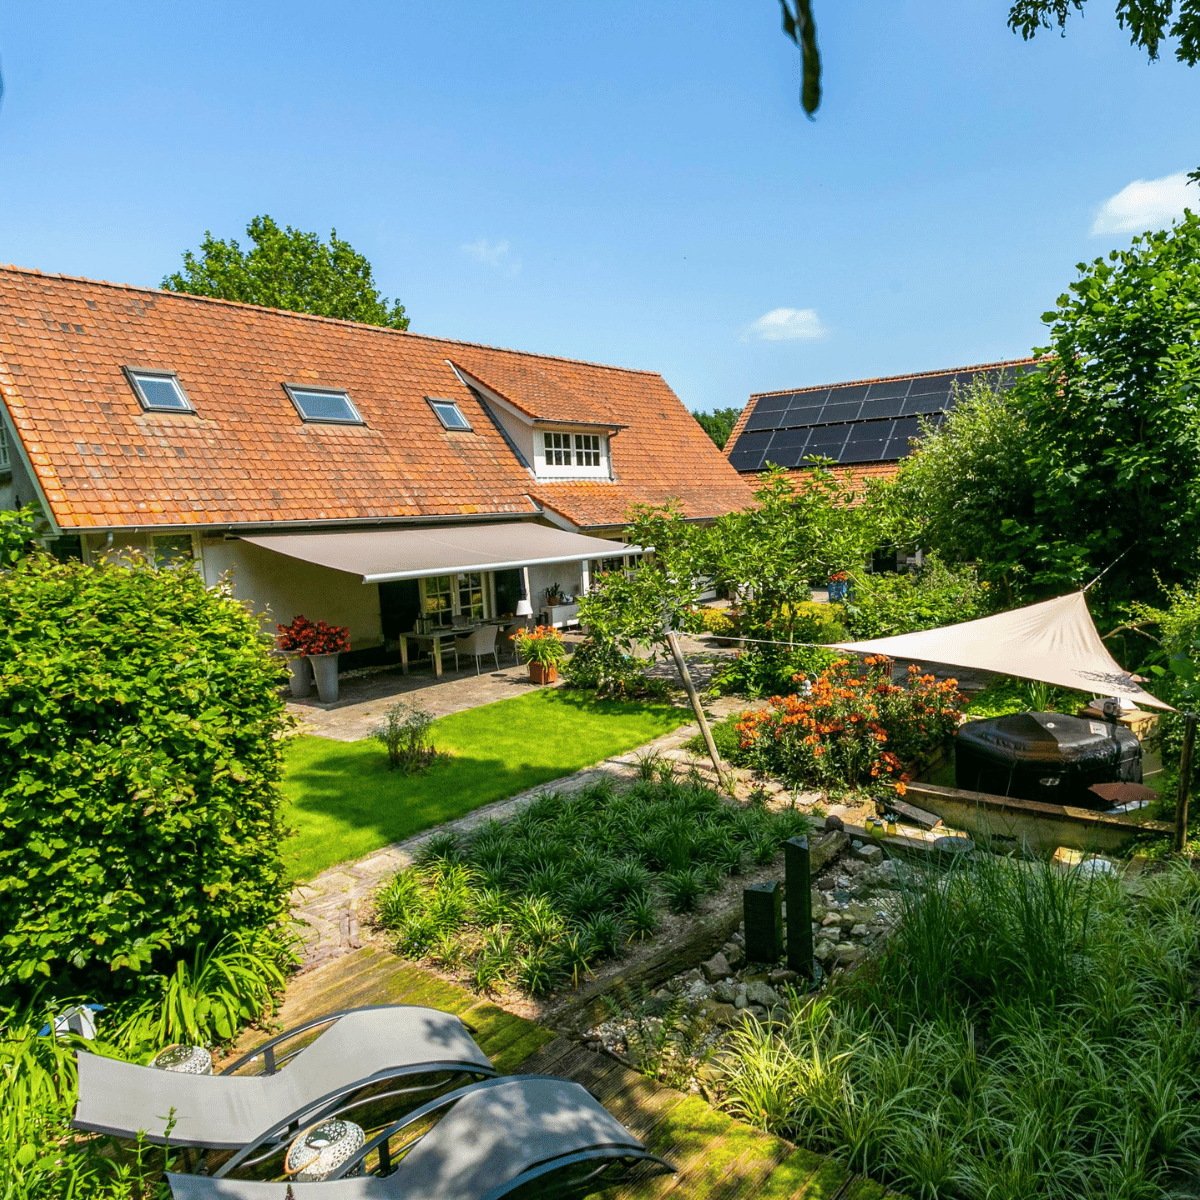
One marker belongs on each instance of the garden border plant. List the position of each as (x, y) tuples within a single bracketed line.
[(537, 901)]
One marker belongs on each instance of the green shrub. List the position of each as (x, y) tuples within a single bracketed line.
[(888, 603), (607, 670), (571, 879), (139, 783), (770, 670), (406, 734)]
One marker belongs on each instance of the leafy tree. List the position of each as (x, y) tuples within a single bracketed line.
[(1149, 22), (289, 269), (718, 424), (18, 530), (140, 813), (963, 478)]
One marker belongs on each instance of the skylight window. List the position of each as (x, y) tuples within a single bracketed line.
[(328, 405), (448, 413), (159, 391)]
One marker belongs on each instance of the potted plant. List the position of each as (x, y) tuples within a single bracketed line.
[(300, 676), (543, 648), (320, 644), (560, 608)]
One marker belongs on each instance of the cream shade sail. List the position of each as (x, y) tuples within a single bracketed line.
[(1053, 642)]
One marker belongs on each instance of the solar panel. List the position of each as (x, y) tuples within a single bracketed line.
[(775, 403), (917, 405), (827, 442), (931, 383), (852, 391), (746, 460), (764, 420), (789, 439), (866, 443), (874, 410), (785, 458), (847, 411), (757, 440), (890, 387), (794, 418), (811, 399)]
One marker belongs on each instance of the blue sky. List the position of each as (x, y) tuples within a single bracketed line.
[(627, 182)]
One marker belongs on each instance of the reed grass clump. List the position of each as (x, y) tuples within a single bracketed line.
[(571, 880), (1027, 1033)]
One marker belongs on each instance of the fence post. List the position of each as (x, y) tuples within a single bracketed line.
[(798, 883)]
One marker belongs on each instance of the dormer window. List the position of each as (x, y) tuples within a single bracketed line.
[(448, 412), (572, 455), (159, 391), (329, 406)]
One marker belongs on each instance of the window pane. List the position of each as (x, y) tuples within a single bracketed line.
[(449, 415), (169, 548), (587, 449), (558, 449), (439, 600), (161, 391), (470, 596), (325, 406)]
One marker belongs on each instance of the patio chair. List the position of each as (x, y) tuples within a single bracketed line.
[(507, 638), (495, 1137), (361, 1052), (479, 642)]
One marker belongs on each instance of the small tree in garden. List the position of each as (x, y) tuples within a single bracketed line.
[(139, 779), (406, 734)]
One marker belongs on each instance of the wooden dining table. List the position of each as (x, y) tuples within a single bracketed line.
[(432, 641)]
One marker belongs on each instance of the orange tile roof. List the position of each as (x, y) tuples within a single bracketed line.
[(245, 457)]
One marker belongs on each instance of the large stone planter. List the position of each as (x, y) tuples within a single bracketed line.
[(300, 676), (325, 672)]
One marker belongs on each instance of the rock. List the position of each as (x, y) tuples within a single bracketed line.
[(734, 955), (859, 930), (831, 918), (722, 1014), (761, 994), (781, 978), (847, 953), (740, 999), (759, 1011), (860, 912), (855, 844), (697, 989), (833, 821), (716, 968), (871, 855), (823, 950), (724, 992), (692, 976)]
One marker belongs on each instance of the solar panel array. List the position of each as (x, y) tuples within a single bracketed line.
[(853, 423)]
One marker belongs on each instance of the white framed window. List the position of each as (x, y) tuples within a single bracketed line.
[(159, 391), (587, 449), (167, 549), (572, 455), (459, 599)]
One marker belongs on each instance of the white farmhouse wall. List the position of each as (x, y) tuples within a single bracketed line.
[(281, 587)]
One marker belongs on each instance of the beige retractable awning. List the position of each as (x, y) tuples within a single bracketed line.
[(380, 555), (1054, 641)]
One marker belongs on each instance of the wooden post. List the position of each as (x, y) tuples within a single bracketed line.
[(697, 708), (1185, 778), (798, 883)]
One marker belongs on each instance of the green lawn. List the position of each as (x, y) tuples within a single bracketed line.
[(343, 802)]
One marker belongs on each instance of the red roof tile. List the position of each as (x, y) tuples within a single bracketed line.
[(246, 457)]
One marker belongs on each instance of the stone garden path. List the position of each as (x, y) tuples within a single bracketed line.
[(332, 906)]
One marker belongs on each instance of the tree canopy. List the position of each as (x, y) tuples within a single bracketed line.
[(718, 424), (290, 269), (1094, 459)]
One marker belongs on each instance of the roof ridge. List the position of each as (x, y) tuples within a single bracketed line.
[(287, 312), (816, 387)]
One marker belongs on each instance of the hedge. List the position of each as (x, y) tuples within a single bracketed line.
[(139, 773)]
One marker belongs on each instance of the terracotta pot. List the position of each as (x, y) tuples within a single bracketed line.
[(539, 674), (301, 676), (325, 672)]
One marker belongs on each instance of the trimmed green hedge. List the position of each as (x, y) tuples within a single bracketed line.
[(139, 773)]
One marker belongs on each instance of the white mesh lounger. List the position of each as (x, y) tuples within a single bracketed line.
[(532, 1132), (362, 1048)]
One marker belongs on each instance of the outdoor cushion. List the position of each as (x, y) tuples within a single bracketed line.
[(224, 1112)]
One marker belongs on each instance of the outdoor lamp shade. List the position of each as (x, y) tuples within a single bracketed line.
[(524, 608)]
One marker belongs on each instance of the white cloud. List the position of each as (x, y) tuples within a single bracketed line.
[(1146, 204), (789, 324), (493, 254)]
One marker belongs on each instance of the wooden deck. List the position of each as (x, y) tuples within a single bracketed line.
[(718, 1158)]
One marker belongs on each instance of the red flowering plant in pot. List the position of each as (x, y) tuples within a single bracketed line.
[(313, 645)]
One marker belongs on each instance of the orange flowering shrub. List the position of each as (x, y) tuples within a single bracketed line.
[(851, 727), (542, 645)]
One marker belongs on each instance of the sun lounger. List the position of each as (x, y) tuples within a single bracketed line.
[(362, 1049), (533, 1131)]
